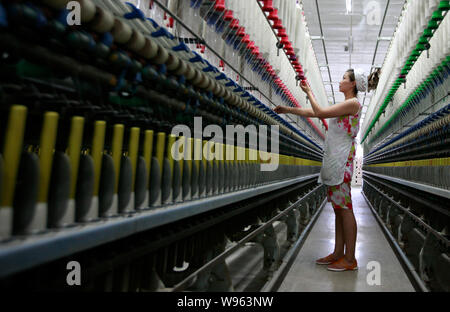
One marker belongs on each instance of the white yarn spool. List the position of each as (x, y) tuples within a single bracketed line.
[(205, 82), (88, 10), (150, 49), (182, 68), (227, 95), (252, 111), (198, 78), (121, 32), (241, 103), (136, 42), (173, 62), (221, 90), (235, 100), (247, 106), (162, 56), (216, 89), (232, 100), (212, 85), (103, 21), (190, 72)]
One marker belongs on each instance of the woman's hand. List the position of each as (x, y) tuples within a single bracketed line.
[(280, 109), (305, 86)]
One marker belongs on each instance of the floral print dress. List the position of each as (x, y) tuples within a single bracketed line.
[(340, 195)]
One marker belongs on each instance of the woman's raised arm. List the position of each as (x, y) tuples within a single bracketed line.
[(348, 107), (305, 112)]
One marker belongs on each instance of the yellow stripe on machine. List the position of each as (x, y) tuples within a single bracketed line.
[(411, 163)]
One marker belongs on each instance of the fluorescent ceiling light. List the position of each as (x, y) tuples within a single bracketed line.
[(348, 4)]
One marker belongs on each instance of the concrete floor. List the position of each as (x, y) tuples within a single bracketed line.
[(371, 245)]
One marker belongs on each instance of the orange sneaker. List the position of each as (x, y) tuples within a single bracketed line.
[(326, 260), (343, 265)]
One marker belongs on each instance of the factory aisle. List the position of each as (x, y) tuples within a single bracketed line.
[(371, 245)]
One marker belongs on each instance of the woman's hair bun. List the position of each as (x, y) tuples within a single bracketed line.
[(361, 80), (372, 80)]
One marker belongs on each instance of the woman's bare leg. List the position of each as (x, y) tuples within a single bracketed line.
[(349, 227), (339, 235)]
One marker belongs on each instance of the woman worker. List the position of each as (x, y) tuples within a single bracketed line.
[(337, 165)]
